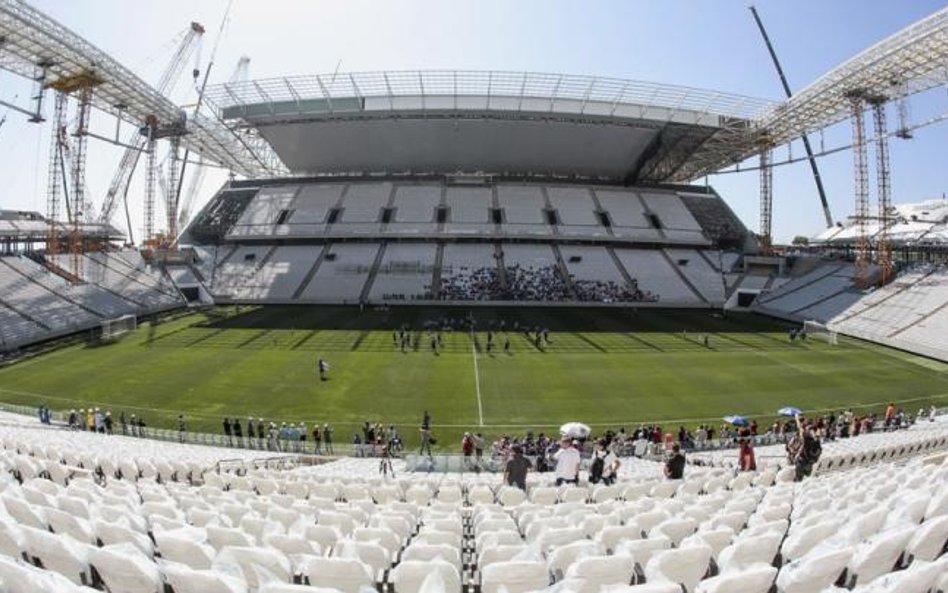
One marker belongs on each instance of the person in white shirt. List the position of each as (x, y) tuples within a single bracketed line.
[(567, 463)]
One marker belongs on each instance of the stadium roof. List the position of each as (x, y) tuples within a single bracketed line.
[(495, 122), (554, 124)]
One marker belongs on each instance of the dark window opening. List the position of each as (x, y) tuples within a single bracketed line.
[(442, 214), (250, 257), (283, 216), (683, 262), (387, 215), (330, 257), (575, 259), (604, 219), (497, 215), (334, 215), (654, 220), (551, 217)]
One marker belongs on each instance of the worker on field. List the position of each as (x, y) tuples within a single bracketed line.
[(322, 367)]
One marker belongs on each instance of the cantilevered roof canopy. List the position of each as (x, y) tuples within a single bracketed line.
[(494, 122)]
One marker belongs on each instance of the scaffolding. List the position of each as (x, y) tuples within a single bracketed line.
[(883, 247), (766, 200), (861, 188)]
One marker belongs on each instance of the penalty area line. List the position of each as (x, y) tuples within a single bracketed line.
[(477, 383)]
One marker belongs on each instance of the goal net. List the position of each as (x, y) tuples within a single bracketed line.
[(815, 329), (113, 329)]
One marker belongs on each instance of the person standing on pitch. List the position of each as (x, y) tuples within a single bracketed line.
[(322, 367)]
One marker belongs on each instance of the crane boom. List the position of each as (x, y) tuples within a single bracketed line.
[(828, 217), (118, 189)]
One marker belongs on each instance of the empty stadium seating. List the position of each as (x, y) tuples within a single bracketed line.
[(38, 304), (74, 512)]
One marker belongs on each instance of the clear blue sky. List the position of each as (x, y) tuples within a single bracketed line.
[(702, 43)]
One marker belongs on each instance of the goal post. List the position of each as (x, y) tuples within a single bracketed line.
[(113, 329), (819, 330)]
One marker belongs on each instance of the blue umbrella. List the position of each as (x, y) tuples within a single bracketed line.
[(737, 420), (789, 411)]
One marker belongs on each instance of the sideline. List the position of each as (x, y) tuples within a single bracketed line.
[(477, 382)]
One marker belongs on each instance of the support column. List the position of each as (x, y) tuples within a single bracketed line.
[(54, 183), (861, 188), (79, 178), (151, 171), (883, 246), (766, 200), (172, 201)]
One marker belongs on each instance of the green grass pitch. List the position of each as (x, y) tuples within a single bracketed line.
[(609, 368)]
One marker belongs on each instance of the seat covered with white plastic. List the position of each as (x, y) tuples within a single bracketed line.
[(685, 566), (124, 569), (59, 554), (183, 547), (754, 578), (929, 540), (514, 577), (748, 550), (348, 575), (878, 555), (184, 579), (818, 569), (596, 571), (560, 558), (258, 565), (428, 552), (416, 576)]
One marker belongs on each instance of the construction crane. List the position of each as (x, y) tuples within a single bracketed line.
[(137, 142), (827, 216)]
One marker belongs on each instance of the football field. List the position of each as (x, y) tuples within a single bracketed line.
[(608, 368)]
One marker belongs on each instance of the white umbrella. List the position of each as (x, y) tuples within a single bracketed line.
[(576, 430)]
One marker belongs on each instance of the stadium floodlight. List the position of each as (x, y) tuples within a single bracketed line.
[(113, 329), (818, 330)]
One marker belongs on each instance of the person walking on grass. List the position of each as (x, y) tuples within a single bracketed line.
[(322, 367)]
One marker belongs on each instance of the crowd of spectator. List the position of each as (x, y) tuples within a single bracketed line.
[(529, 283), (609, 291), (478, 284)]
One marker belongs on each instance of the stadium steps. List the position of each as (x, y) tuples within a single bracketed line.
[(436, 272), (818, 301), (117, 263), (564, 271), (894, 293), (105, 263), (312, 272), (24, 315), (685, 279), (918, 321), (832, 269), (629, 280), (716, 266), (600, 209), (82, 306), (367, 288), (263, 261), (649, 214), (501, 266)]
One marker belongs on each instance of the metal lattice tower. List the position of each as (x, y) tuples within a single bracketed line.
[(883, 248), (151, 171), (79, 177), (55, 179), (861, 188), (171, 207), (766, 199)]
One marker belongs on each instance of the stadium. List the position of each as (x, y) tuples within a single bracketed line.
[(466, 331)]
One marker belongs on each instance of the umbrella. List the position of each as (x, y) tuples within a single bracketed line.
[(736, 420), (576, 430), (789, 411)]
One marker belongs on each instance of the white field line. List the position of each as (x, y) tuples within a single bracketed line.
[(477, 383)]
